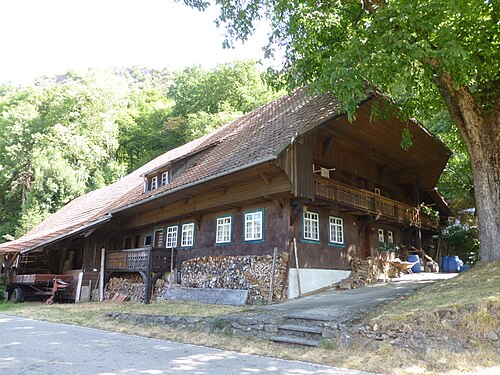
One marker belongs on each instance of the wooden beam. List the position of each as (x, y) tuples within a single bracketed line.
[(235, 195), (295, 213), (384, 171), (327, 145), (265, 178), (279, 203), (416, 190), (197, 220), (221, 189)]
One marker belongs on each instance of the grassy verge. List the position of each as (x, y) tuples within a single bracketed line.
[(472, 299), (477, 287)]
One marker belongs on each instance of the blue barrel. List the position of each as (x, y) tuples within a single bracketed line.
[(464, 268), (453, 264), (414, 258), (444, 263)]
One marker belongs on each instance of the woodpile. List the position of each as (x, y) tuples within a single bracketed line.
[(129, 287), (250, 272), (364, 272)]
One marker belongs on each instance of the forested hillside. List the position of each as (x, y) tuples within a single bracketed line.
[(66, 135)]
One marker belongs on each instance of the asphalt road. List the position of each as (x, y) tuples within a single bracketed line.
[(37, 347)]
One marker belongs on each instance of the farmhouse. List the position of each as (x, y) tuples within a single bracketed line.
[(293, 171)]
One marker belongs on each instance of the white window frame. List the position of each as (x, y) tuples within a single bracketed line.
[(187, 235), (254, 229), (171, 236), (381, 237), (223, 229), (390, 236), (377, 191), (336, 229), (311, 226), (164, 178), (154, 183)]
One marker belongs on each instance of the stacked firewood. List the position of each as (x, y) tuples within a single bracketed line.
[(128, 288), (237, 272), (364, 272)]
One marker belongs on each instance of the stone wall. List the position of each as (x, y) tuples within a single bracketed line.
[(250, 272)]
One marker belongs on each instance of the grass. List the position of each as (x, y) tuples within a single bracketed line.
[(471, 297), (477, 287)]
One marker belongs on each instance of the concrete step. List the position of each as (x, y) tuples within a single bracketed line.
[(313, 318), (295, 340), (302, 329)]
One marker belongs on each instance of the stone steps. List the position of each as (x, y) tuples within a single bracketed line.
[(300, 329), (295, 340)]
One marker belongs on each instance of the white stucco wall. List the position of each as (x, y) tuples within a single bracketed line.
[(313, 279)]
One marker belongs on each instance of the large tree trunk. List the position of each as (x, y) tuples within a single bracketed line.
[(481, 134)]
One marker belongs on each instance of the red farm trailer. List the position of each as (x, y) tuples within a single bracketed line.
[(45, 286)]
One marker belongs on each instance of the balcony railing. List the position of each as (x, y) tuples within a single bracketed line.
[(150, 262), (144, 259), (367, 201)]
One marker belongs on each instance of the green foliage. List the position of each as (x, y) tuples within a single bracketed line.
[(456, 181), (70, 134), (464, 242), (230, 87), (393, 46)]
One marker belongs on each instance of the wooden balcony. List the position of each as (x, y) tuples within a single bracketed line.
[(143, 259), (367, 201), (150, 262)]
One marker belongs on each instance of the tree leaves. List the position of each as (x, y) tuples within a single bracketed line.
[(72, 133)]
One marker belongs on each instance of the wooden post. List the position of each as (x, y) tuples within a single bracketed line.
[(79, 287), (273, 268), (149, 280), (101, 279), (297, 264), (172, 260)]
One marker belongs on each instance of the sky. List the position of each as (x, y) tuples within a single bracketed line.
[(46, 37)]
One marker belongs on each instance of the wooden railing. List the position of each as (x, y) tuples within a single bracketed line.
[(142, 259), (367, 201)]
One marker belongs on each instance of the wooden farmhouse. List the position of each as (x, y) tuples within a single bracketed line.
[(294, 169)]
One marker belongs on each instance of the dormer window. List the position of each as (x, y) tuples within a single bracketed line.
[(164, 178), (154, 183)]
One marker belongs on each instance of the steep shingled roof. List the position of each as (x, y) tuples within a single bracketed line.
[(259, 136)]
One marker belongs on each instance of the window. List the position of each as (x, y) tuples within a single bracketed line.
[(154, 183), (164, 178), (377, 191), (171, 237), (148, 240), (187, 238), (390, 237), (311, 226), (336, 230), (223, 234), (253, 226), (158, 241), (381, 235)]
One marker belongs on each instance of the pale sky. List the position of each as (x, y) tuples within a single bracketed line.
[(45, 37)]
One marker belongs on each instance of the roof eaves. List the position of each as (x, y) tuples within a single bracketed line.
[(88, 226), (194, 183)]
